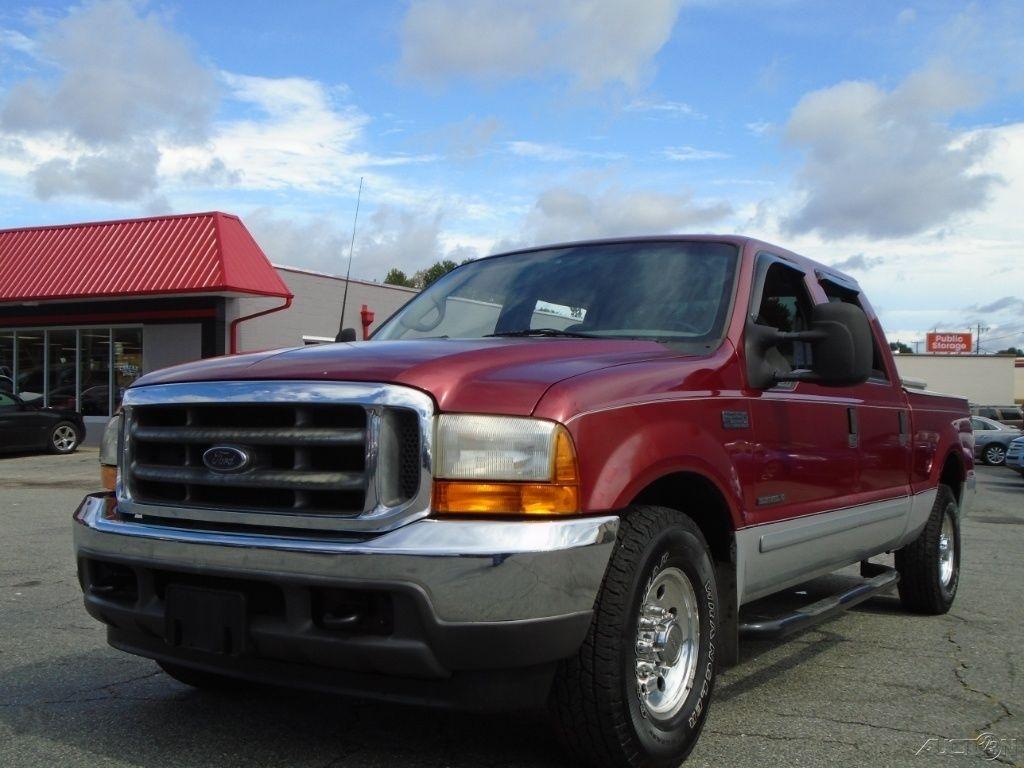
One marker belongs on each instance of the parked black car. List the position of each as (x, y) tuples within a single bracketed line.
[(26, 426)]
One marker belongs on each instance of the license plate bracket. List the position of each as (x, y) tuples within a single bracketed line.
[(207, 620)]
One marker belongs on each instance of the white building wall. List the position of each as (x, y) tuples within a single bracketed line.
[(170, 344), (982, 379), (314, 311)]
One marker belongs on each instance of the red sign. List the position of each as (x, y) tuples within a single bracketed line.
[(949, 343)]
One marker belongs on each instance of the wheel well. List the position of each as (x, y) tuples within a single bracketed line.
[(953, 474), (699, 498)]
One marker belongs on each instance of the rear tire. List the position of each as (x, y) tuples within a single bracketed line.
[(205, 681), (929, 566), (637, 692), (64, 438)]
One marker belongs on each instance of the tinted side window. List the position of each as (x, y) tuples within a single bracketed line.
[(6, 401), (786, 305), (849, 296), (978, 424), (988, 413)]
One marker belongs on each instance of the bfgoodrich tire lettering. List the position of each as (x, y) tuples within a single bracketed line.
[(929, 566), (597, 701)]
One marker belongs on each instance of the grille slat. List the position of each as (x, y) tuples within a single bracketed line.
[(299, 436), (294, 480)]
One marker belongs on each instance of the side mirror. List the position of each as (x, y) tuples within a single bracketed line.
[(840, 339), (346, 334)]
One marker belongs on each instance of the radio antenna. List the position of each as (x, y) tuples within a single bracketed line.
[(348, 272)]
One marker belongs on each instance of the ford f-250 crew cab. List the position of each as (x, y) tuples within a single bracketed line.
[(552, 478)]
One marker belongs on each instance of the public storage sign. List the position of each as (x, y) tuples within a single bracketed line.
[(948, 343)]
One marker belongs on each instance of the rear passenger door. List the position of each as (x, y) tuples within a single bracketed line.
[(881, 411)]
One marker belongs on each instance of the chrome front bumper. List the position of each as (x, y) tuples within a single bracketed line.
[(468, 571)]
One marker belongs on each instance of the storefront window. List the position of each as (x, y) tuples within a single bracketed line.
[(85, 369), (60, 372), (6, 361), (29, 382), (94, 366), (127, 360)]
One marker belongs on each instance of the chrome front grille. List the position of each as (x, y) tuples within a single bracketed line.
[(316, 455)]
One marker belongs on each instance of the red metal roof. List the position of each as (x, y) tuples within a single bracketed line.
[(189, 253)]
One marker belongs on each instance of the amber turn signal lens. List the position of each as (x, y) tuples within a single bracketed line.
[(108, 476), (458, 497)]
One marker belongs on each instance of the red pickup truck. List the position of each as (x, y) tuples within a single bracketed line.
[(552, 479)]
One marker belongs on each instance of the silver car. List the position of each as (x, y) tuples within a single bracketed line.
[(992, 439)]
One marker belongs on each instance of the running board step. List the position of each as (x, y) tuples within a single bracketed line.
[(823, 609)]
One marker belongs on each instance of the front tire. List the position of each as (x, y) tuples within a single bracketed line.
[(64, 438), (929, 566), (638, 691)]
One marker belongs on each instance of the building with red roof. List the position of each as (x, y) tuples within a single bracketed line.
[(85, 309)]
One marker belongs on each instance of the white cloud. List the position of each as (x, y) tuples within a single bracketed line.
[(299, 138), (556, 153), (882, 163), (112, 174), (684, 154), (592, 42), (16, 41), (119, 74), (760, 127), (906, 17), (112, 86), (676, 108), (563, 213)]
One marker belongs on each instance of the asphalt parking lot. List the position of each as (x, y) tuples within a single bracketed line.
[(872, 687)]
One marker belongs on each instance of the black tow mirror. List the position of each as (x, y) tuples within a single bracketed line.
[(346, 334), (841, 350)]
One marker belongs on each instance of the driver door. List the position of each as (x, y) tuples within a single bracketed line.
[(14, 428)]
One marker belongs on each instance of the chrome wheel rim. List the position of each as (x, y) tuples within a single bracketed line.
[(995, 455), (64, 438), (667, 642), (947, 551)]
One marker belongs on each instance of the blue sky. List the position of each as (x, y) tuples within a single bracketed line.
[(887, 138)]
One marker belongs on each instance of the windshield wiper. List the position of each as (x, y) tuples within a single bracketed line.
[(545, 332)]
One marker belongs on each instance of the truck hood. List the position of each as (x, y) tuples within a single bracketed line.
[(506, 376)]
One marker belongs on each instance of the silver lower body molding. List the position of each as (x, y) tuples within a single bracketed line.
[(469, 570)]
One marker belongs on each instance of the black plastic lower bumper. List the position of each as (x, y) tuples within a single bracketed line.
[(379, 641)]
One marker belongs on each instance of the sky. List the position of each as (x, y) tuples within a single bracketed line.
[(884, 138)]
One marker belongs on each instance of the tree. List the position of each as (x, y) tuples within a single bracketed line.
[(398, 277), (899, 346), (434, 272), (423, 277), (1017, 351)]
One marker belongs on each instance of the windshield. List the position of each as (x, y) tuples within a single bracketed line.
[(672, 291)]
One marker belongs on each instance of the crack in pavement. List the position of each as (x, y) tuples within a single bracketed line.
[(960, 670)]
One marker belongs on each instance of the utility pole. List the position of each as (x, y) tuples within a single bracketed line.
[(977, 343)]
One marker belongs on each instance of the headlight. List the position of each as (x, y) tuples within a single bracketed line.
[(504, 465), (109, 452)]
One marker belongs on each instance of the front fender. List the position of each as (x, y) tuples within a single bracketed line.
[(622, 451)]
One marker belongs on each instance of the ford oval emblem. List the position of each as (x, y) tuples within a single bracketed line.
[(226, 458)]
